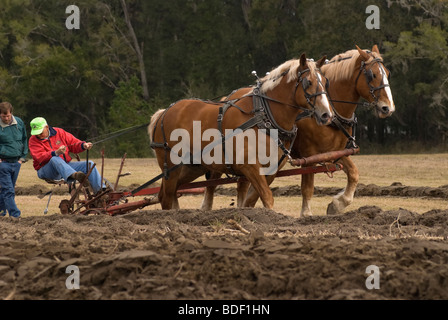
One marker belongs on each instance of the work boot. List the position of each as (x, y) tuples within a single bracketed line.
[(79, 176)]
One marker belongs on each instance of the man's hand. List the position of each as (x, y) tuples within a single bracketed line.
[(88, 145), (61, 150)]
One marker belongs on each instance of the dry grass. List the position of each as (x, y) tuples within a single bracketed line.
[(383, 170)]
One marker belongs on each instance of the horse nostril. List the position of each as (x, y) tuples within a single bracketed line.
[(325, 117), (385, 109)]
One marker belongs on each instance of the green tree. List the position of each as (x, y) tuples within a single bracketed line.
[(67, 76), (128, 117), (420, 57)]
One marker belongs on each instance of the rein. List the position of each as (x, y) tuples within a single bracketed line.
[(118, 133), (112, 135)]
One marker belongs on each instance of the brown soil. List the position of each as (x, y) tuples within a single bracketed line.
[(227, 254), (395, 189)]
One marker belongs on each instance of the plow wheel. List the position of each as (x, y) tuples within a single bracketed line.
[(79, 196), (66, 207)]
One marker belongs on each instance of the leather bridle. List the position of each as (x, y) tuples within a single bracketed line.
[(369, 76)]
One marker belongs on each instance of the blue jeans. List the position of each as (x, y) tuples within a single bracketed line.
[(57, 169), (9, 173)]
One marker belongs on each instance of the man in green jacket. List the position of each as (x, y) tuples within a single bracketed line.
[(13, 150)]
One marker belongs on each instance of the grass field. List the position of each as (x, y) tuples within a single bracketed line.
[(429, 170)]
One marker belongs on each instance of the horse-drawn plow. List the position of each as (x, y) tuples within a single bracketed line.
[(112, 201)]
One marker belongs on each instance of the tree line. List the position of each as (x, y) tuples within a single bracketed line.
[(129, 58)]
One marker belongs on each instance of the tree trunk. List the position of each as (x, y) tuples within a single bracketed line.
[(138, 51)]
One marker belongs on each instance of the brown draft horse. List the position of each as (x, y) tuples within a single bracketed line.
[(353, 74), (284, 95)]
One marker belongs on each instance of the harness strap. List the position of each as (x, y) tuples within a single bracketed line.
[(163, 174), (263, 119), (255, 120), (351, 139), (305, 114), (261, 105), (163, 144), (270, 123)]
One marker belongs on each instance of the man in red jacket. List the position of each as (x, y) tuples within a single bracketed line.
[(50, 147)]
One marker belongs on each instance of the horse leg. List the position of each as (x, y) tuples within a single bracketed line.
[(242, 187), (252, 194), (175, 203), (307, 189), (343, 199), (207, 202), (260, 185), (168, 192)]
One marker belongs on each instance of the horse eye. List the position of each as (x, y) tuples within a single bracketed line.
[(308, 83)]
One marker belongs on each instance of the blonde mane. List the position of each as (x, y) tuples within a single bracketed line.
[(273, 78), (341, 70)]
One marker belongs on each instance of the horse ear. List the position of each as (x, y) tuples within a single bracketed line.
[(375, 49), (321, 61), (303, 61), (363, 54)]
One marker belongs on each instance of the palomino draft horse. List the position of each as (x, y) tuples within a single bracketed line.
[(292, 88), (353, 74)]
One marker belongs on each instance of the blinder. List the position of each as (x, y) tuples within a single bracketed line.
[(306, 83), (369, 75)]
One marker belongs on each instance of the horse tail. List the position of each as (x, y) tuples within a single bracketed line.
[(155, 117)]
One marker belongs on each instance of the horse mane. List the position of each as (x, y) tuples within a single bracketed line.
[(270, 81), (153, 122), (336, 70)]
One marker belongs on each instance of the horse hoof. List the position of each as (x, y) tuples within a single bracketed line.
[(332, 210), (305, 214)]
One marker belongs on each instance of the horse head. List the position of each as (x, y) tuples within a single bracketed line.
[(312, 91), (308, 86), (375, 88)]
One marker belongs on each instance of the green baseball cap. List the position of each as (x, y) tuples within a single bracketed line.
[(37, 126)]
